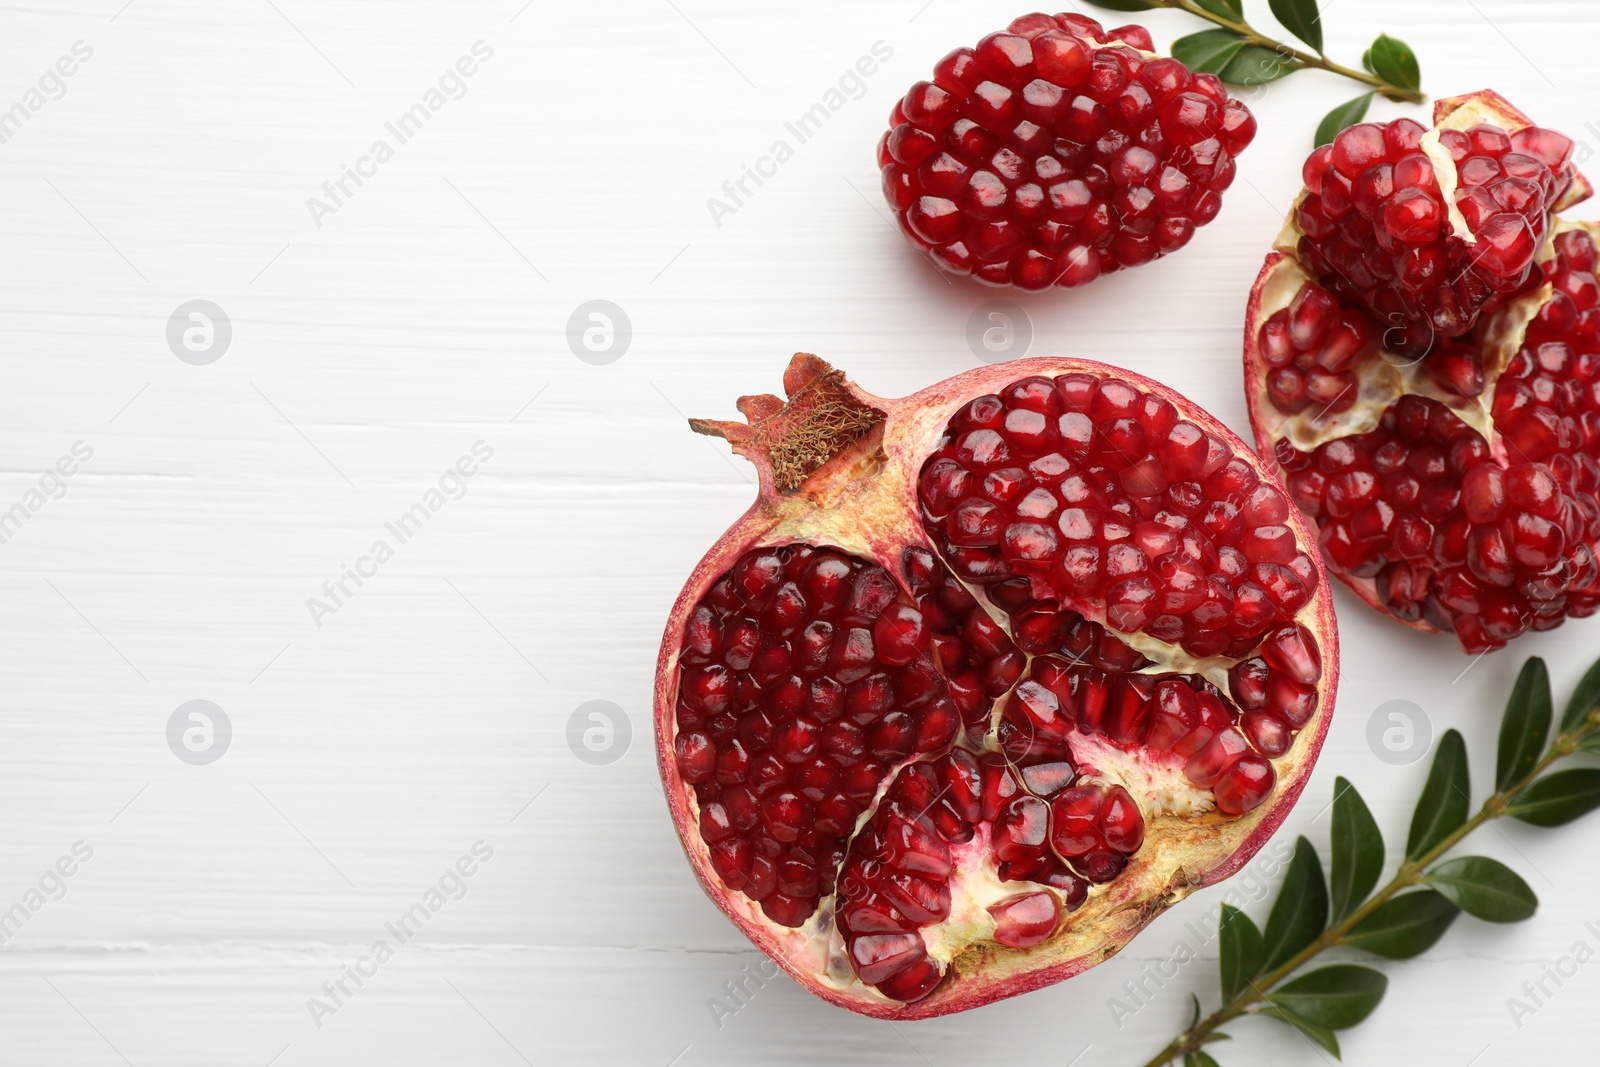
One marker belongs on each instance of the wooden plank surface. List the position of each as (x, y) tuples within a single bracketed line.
[(377, 739)]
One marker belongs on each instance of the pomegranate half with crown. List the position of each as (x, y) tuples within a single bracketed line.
[(1422, 365), (987, 678)]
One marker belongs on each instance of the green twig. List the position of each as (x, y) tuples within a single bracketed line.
[(1410, 874), (1309, 59)]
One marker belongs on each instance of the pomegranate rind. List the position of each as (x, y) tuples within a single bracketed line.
[(1280, 277), (864, 502)]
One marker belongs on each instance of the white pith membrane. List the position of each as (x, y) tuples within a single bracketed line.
[(1388, 375), (1187, 842)]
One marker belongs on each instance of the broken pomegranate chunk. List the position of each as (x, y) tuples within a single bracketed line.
[(1430, 394), (1058, 151), (987, 678), (1425, 228)]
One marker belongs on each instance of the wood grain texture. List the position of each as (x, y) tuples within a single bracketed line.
[(429, 312)]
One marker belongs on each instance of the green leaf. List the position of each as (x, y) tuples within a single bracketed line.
[(1124, 5), (1346, 114), (1300, 17), (1442, 808), (1241, 951), (1404, 926), (1526, 725), (1335, 998), (1255, 65), (1557, 799), (1357, 850), (1395, 62), (1320, 1034), (1199, 1059), (1228, 9), (1484, 888), (1301, 911), (1209, 51), (1590, 743), (1585, 699)]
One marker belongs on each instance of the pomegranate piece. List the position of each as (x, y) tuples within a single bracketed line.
[(1094, 654), (1453, 478), (1058, 151)]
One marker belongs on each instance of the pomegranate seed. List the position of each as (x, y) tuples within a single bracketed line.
[(1121, 824), (1075, 821), (1245, 785), (1026, 919)]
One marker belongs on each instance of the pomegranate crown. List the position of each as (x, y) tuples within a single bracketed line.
[(788, 440)]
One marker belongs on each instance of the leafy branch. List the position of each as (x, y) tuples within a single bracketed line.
[(1240, 54), (1409, 914)]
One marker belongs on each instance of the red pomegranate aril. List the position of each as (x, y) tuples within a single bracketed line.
[(1021, 828), (912, 982), (878, 956), (1075, 817), (859, 750), (1120, 821), (1294, 651), (1269, 734), (1243, 786), (1206, 766), (1026, 919)]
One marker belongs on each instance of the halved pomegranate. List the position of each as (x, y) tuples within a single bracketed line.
[(1422, 364), (987, 678)]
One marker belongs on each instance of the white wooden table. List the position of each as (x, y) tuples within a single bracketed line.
[(378, 738)]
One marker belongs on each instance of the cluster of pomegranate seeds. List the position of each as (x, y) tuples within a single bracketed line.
[(1421, 506), (1178, 719), (897, 876), (1488, 546), (806, 680), (1315, 351), (1096, 493), (979, 660), (1058, 151), (1378, 229)]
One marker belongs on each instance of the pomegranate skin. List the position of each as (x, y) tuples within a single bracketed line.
[(1434, 551), (863, 502)]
